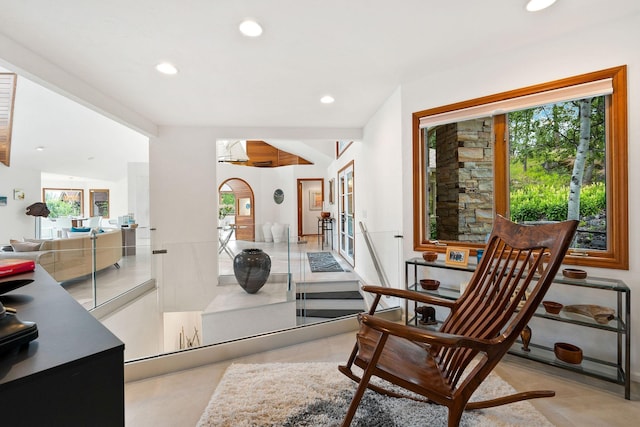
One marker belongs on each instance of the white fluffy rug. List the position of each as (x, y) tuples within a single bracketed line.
[(316, 394)]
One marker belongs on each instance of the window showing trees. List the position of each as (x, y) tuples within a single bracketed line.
[(544, 153), (63, 202), (557, 167)]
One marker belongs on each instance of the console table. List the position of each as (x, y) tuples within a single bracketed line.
[(72, 374), (324, 225)]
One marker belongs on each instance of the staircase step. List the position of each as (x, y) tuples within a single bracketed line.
[(342, 285), (329, 295), (326, 314)]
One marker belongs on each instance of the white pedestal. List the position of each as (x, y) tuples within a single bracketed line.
[(234, 314)]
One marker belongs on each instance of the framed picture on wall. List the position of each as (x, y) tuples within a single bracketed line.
[(315, 200), (457, 256), (99, 203)]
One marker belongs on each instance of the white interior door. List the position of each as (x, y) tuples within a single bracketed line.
[(346, 214)]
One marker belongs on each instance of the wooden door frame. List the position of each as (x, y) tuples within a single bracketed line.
[(299, 196), (236, 184)]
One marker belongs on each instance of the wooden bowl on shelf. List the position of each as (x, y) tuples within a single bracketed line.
[(552, 307), (574, 273), (429, 284), (430, 256), (568, 352)]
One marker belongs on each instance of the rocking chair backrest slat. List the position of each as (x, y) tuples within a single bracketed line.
[(490, 305)]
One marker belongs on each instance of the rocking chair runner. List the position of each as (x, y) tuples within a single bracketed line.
[(447, 366)]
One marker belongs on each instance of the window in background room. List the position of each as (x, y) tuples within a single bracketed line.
[(63, 202)]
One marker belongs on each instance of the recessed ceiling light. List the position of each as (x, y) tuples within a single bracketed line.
[(327, 99), (41, 148), (536, 5), (250, 28), (166, 68)]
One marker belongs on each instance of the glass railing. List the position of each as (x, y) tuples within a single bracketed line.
[(200, 302), (95, 266)]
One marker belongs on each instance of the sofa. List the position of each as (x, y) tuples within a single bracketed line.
[(70, 258)]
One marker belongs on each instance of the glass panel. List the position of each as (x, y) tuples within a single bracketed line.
[(459, 177), (244, 206), (557, 167), (63, 202), (98, 267)]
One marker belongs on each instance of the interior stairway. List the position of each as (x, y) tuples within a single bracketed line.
[(323, 300)]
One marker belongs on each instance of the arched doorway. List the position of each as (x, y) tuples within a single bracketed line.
[(242, 213)]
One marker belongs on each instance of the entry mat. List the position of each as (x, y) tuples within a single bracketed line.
[(323, 262)]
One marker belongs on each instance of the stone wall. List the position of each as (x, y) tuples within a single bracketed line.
[(464, 176)]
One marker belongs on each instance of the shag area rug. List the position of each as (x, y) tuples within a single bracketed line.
[(316, 394), (323, 262)]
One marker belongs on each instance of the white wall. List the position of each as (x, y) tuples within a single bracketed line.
[(14, 223), (576, 53)]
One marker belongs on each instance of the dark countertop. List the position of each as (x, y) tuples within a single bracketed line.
[(67, 332)]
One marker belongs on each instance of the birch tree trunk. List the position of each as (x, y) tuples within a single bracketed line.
[(581, 156)]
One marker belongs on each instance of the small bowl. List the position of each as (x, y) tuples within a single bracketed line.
[(429, 284), (574, 273), (430, 256), (552, 307), (325, 214), (568, 353)]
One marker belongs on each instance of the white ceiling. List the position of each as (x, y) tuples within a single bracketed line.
[(359, 51)]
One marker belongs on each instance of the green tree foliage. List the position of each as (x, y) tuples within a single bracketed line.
[(543, 144)]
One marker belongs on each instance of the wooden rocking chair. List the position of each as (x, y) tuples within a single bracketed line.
[(481, 327)]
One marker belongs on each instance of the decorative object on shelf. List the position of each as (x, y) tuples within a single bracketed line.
[(600, 314), (574, 273), (251, 268), (479, 254), (428, 315), (526, 338), (38, 209), (266, 231), (568, 353), (430, 256), (429, 284), (278, 196), (457, 256), (552, 307), (325, 214)]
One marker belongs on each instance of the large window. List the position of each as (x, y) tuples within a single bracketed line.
[(544, 153), (63, 202)]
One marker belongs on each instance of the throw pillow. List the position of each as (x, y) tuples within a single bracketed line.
[(80, 229), (25, 246)]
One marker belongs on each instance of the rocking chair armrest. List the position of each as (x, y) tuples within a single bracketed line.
[(425, 336), (410, 295)]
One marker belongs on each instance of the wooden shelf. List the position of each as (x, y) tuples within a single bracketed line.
[(616, 372)]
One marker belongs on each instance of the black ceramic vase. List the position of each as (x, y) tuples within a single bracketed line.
[(251, 268)]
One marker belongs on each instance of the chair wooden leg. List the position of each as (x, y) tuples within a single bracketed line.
[(455, 415), (355, 402)]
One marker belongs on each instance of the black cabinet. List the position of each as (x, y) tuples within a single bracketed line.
[(72, 374), (616, 371)]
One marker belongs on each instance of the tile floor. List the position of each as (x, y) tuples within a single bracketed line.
[(179, 398)]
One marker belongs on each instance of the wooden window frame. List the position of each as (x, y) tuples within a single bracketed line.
[(617, 253)]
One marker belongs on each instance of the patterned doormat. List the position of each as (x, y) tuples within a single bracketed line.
[(323, 262)]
